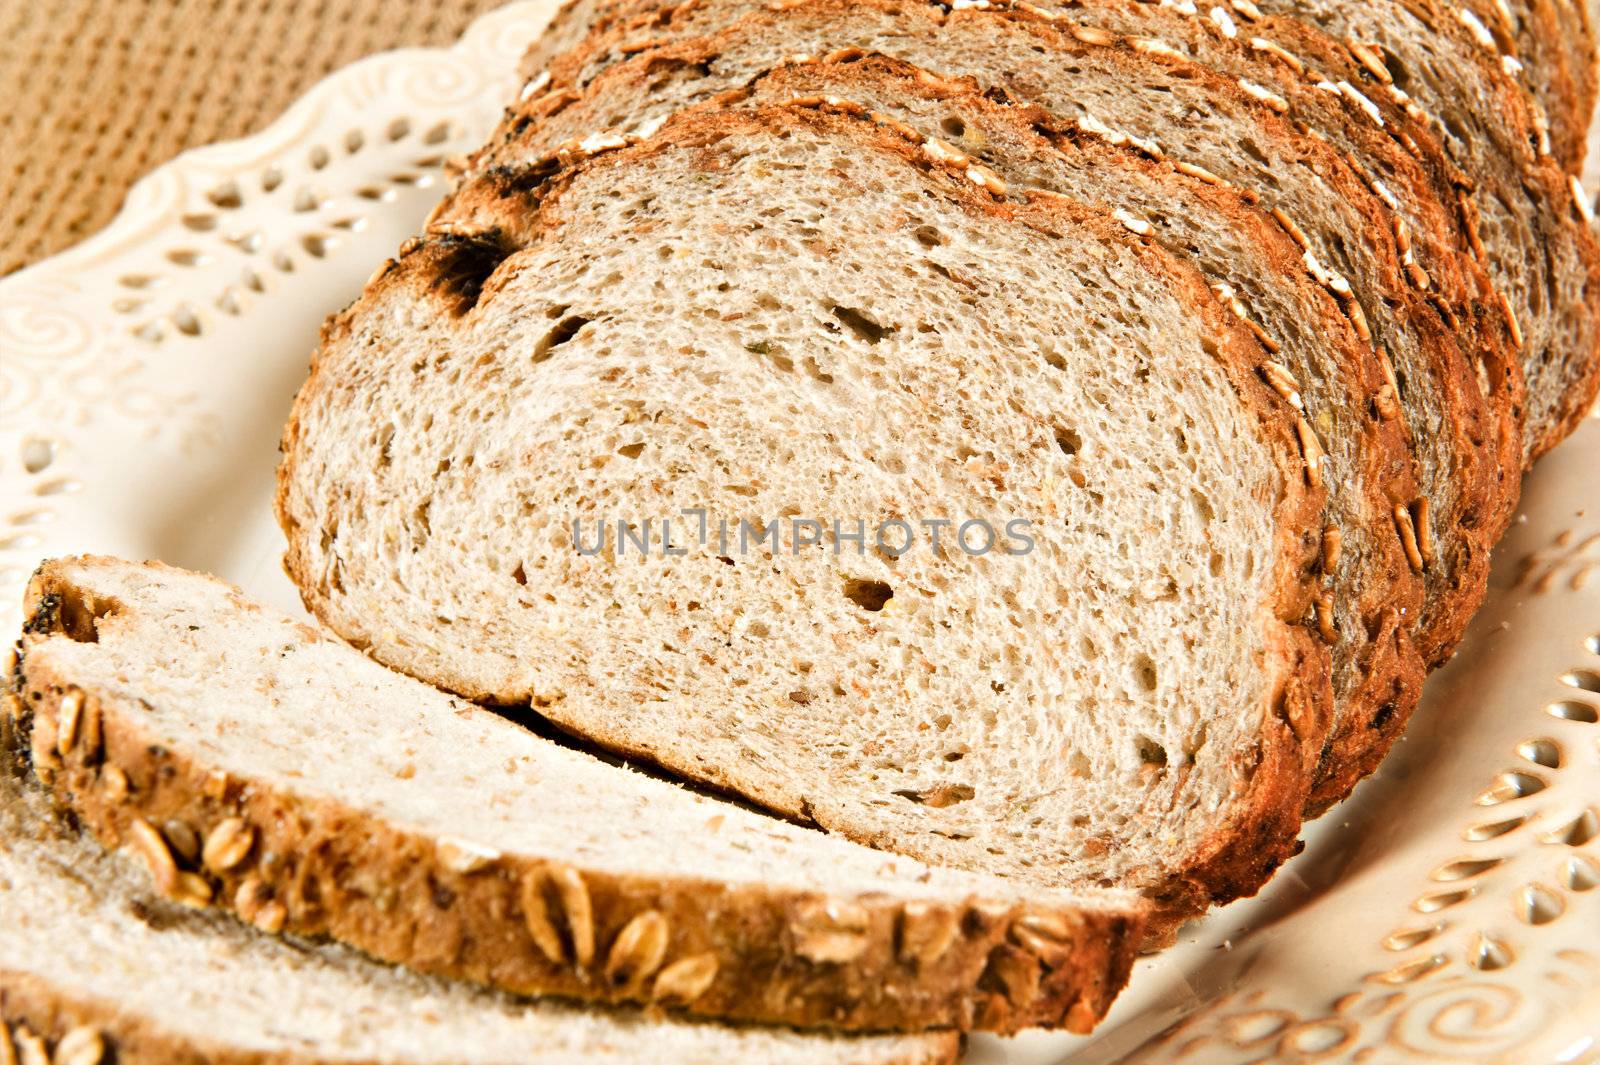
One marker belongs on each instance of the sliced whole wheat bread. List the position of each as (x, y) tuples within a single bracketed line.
[(1551, 51), (1537, 246), (94, 969), (260, 766), (1369, 586), (1523, 220), (1457, 522), (1222, 127), (1066, 714)]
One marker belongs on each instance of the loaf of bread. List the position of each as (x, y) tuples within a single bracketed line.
[(918, 699), (732, 265)]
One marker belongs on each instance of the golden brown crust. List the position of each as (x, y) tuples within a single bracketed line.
[(293, 863)]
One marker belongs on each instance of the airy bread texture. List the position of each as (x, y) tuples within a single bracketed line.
[(262, 766), (1371, 593), (94, 969), (798, 313), (1463, 428)]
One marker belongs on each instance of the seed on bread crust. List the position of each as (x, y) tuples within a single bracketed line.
[(638, 950), (1511, 320), (1046, 938), (227, 845), (1419, 518), (685, 979), (1154, 46), (80, 1046), (1580, 197), (192, 890), (115, 782), (1325, 626), (1093, 35), (831, 931), (464, 856), (1018, 972), (255, 903), (926, 932), (68, 717), (1311, 448), (1408, 537), (1198, 172), (1332, 544), (1283, 383), (1265, 95), (1261, 44), (29, 1047), (1369, 59), (152, 847), (183, 840), (563, 885)]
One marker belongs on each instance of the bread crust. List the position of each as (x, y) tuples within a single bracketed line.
[(317, 868), (1251, 839)]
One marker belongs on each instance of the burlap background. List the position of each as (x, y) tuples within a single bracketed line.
[(96, 93)]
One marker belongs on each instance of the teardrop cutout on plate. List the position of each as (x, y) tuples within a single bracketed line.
[(1508, 786), (1574, 710), (1537, 904), (1410, 971), (1492, 829), (1465, 868), (1412, 937), (1583, 679), (1581, 873), (1490, 954), (1443, 900), (1576, 832), (1541, 752)]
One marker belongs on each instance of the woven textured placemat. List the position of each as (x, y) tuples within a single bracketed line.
[(99, 92)]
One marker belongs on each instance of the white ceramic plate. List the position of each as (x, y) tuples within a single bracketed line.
[(1449, 912)]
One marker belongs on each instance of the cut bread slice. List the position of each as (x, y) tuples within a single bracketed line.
[(94, 969), (1229, 126), (779, 316), (1370, 592), (261, 766)]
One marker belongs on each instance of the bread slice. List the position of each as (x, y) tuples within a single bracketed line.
[(1054, 713), (261, 766), (1537, 246), (94, 969), (1371, 593)]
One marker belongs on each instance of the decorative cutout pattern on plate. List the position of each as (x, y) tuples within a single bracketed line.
[(1447, 912)]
